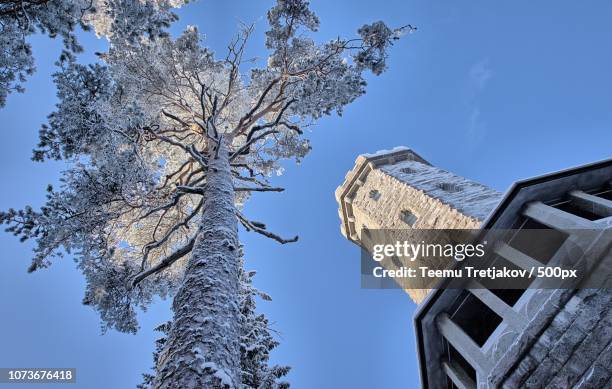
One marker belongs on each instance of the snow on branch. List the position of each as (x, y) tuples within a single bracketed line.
[(246, 147), (118, 21), (258, 189), (191, 189), (164, 263), (158, 243), (260, 228)]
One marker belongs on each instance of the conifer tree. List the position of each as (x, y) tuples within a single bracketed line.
[(165, 142), (256, 343), (114, 19)]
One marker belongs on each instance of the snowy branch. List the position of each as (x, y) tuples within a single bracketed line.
[(164, 263), (245, 148), (246, 118), (260, 228), (197, 156), (191, 189), (158, 243), (258, 189)]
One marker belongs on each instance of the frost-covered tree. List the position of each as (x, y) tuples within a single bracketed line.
[(165, 142), (149, 378), (115, 19), (256, 343)]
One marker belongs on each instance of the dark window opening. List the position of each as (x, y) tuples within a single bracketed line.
[(509, 296), (476, 319), (407, 170), (605, 195), (509, 290), (454, 356), (449, 187), (374, 194), (408, 217), (571, 207)]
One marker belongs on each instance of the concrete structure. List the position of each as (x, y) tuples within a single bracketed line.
[(534, 338), (398, 189)]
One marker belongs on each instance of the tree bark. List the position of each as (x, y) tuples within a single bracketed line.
[(203, 349)]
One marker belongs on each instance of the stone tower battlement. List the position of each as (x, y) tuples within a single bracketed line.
[(398, 190)]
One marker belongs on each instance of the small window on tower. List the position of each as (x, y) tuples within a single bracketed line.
[(449, 187), (407, 170), (408, 217), (374, 194)]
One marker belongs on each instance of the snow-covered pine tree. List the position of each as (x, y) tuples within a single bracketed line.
[(165, 143), (115, 19), (149, 378), (256, 342)]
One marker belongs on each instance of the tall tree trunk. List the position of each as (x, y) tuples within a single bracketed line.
[(203, 349)]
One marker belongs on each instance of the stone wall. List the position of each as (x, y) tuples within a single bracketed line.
[(574, 350), (439, 199)]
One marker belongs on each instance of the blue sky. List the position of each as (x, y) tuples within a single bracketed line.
[(493, 91)]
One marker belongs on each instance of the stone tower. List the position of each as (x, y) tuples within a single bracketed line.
[(397, 189)]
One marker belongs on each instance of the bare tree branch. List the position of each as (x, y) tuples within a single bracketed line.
[(260, 229), (171, 175), (244, 149), (273, 123), (164, 263), (191, 189), (175, 198), (176, 119), (197, 156), (220, 139), (158, 243), (257, 105), (250, 139), (256, 189), (249, 179), (244, 166)]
